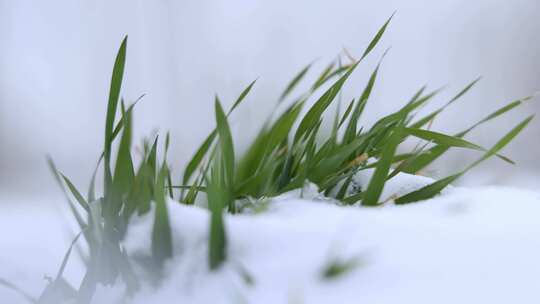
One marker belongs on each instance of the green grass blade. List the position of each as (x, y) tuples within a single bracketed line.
[(124, 173), (344, 187), (120, 123), (217, 240), (428, 191), (161, 232), (141, 196), (428, 118), (58, 178), (226, 143), (169, 184), (80, 199), (280, 130), (449, 141), (194, 191), (314, 114), (333, 160), (218, 198), (352, 126), (350, 200), (417, 94), (323, 76), (436, 187), (505, 140), (242, 96), (199, 188), (254, 157), (198, 157), (66, 257), (152, 159), (464, 90), (80, 221), (376, 184), (265, 148), (294, 82), (499, 112), (114, 94), (167, 144), (434, 153), (442, 139), (404, 112), (346, 113), (403, 160), (377, 37), (92, 187)]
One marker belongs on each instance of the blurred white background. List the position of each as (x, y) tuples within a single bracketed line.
[(56, 58)]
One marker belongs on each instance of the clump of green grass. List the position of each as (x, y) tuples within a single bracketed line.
[(289, 151), (128, 190)]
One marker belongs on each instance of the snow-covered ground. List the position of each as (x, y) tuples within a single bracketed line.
[(468, 245)]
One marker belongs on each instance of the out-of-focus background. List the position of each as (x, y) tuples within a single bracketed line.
[(56, 58)]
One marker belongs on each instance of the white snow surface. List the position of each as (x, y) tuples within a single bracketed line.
[(468, 245)]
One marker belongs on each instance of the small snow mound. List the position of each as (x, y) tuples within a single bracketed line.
[(468, 245), (480, 242), (399, 185)]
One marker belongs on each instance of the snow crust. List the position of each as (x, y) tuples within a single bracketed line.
[(468, 245)]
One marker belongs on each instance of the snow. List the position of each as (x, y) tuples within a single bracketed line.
[(468, 245), (399, 185)]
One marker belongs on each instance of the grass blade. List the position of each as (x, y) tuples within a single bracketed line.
[(376, 184), (442, 139), (377, 37), (66, 257), (505, 140), (346, 113), (352, 126), (217, 243), (294, 82), (242, 96), (420, 123), (313, 116), (428, 191), (120, 123), (323, 76), (198, 157), (434, 153), (112, 104), (161, 232), (80, 199), (226, 144), (435, 188), (124, 173)]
